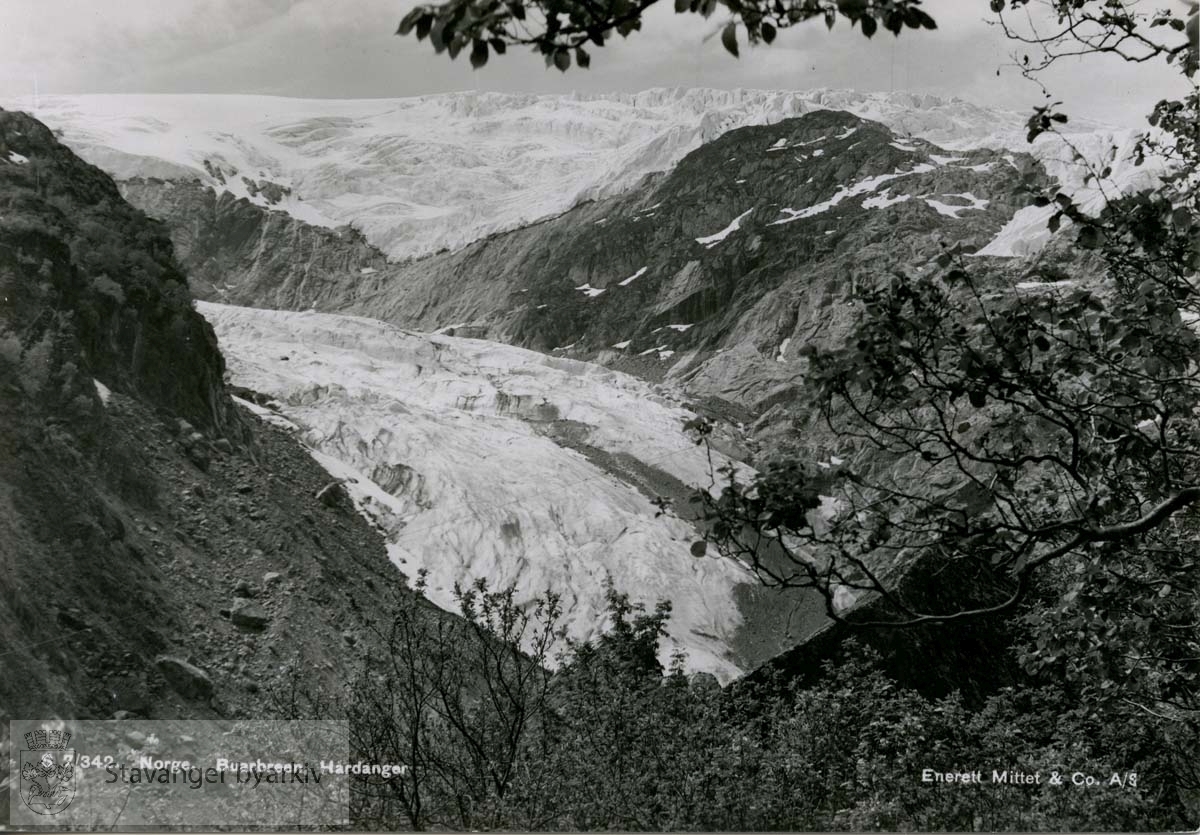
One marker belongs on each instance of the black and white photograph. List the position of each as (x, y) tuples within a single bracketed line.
[(600, 415)]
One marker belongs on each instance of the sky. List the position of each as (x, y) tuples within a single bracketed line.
[(339, 49)]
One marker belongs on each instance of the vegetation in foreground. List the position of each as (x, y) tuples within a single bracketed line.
[(611, 741)]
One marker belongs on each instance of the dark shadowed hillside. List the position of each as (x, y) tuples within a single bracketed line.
[(162, 552)]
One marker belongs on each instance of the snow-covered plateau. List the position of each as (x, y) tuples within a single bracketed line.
[(478, 459), (416, 175)]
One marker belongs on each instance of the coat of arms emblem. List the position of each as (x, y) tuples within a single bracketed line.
[(47, 772)]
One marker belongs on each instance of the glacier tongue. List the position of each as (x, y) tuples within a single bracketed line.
[(483, 460)]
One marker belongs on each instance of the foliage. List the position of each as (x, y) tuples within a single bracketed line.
[(560, 30), (612, 741)]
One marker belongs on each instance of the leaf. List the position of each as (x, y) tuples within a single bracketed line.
[(978, 399), (1042, 343), (409, 21), (729, 39), (562, 60), (869, 26), (699, 548), (768, 33), (498, 46), (436, 37), (479, 54), (582, 59), (682, 6), (1055, 220)]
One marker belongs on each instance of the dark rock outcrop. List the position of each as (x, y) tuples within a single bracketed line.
[(133, 491)]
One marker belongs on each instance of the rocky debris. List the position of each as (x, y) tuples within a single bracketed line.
[(185, 678), (243, 589), (271, 578), (248, 615), (703, 682)]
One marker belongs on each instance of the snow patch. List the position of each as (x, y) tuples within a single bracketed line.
[(864, 187), (1045, 285), (103, 391), (680, 328), (883, 200), (712, 240), (631, 278), (1025, 233), (590, 291), (17, 159), (622, 345), (953, 211)]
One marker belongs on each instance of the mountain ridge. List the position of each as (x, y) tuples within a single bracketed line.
[(422, 174)]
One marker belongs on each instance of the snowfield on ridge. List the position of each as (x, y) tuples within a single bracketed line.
[(455, 448), (417, 175)]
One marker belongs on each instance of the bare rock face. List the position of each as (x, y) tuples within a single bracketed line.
[(93, 283), (241, 253)]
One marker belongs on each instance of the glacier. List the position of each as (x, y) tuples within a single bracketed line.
[(417, 175), (478, 459)]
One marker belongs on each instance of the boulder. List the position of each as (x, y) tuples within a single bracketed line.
[(248, 615), (184, 677)]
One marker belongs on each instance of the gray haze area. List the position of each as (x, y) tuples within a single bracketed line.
[(324, 48)]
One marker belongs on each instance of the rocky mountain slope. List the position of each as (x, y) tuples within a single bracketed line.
[(712, 275), (164, 553), (422, 174)]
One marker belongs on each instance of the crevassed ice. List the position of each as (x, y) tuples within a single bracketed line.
[(441, 440)]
